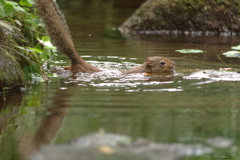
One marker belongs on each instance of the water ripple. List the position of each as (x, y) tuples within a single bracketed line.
[(111, 77)]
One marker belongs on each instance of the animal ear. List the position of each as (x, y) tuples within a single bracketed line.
[(149, 62)]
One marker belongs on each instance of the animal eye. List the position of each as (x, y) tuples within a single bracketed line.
[(162, 63)]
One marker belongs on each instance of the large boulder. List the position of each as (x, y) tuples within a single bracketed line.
[(185, 16), (109, 146)]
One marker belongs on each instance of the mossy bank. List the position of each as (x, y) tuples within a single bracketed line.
[(23, 51), (11, 74)]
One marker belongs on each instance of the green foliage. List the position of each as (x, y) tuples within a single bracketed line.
[(27, 3), (10, 8), (27, 42)]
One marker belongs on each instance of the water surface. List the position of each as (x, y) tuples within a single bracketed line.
[(167, 110)]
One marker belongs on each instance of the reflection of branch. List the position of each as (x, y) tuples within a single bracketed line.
[(49, 126), (9, 103)]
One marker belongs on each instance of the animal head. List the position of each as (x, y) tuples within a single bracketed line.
[(159, 64)]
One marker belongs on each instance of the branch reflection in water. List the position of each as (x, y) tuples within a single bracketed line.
[(49, 126)]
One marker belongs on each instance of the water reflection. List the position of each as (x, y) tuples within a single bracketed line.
[(133, 113), (48, 128), (10, 106)]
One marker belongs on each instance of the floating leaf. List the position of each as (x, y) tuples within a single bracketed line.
[(232, 54), (190, 51), (236, 47)]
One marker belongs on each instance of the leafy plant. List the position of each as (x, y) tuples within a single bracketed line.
[(27, 39)]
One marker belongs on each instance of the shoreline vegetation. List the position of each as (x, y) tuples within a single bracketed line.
[(25, 49)]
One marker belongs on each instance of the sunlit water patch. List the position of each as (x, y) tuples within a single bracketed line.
[(214, 75)]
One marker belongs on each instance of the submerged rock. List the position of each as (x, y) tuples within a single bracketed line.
[(94, 153), (97, 139), (220, 142), (184, 16), (118, 147)]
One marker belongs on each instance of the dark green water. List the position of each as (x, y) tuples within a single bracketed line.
[(176, 110)]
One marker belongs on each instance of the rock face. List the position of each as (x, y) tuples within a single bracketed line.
[(11, 74), (159, 16)]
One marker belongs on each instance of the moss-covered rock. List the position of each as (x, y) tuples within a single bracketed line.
[(11, 74), (215, 16)]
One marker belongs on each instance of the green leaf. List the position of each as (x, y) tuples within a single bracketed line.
[(236, 47), (8, 8), (232, 54), (5, 88), (47, 44), (18, 8), (35, 50), (5, 25), (190, 51), (11, 2), (45, 38), (13, 6), (23, 48), (18, 22), (2, 1), (26, 3), (44, 56)]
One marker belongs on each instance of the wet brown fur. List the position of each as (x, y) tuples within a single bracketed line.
[(154, 65), (60, 35)]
